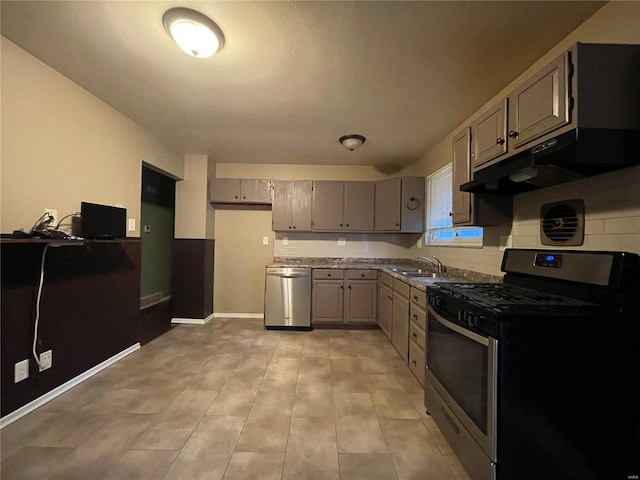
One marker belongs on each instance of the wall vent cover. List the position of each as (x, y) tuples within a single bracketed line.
[(562, 223)]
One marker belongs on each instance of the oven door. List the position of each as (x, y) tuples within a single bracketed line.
[(461, 366)]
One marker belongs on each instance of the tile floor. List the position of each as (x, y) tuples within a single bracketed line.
[(230, 401)]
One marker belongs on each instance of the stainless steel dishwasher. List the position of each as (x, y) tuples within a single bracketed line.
[(287, 299)]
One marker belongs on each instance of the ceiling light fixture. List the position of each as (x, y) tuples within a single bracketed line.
[(196, 34), (351, 142)]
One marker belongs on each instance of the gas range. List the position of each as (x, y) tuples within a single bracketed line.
[(537, 377)]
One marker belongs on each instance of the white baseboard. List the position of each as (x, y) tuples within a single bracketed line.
[(238, 315), (47, 397), (193, 321)]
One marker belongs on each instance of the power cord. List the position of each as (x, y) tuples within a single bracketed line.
[(35, 328)]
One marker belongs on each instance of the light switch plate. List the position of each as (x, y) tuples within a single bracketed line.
[(265, 240), (132, 224)]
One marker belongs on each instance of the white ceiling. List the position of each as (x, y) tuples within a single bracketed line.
[(295, 76)]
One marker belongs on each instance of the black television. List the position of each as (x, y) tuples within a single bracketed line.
[(102, 221)]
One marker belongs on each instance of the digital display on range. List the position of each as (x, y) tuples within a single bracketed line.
[(548, 260)]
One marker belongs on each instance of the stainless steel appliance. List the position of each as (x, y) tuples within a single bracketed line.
[(539, 377), (287, 300)]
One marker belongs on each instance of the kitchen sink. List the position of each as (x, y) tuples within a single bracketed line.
[(413, 272), (421, 274)]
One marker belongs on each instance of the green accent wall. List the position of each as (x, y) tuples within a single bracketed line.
[(157, 247)]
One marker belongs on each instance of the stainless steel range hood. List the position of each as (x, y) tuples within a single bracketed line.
[(569, 156)]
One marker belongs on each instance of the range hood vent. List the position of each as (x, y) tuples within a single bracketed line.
[(572, 155)]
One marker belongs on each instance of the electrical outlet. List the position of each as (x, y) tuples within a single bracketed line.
[(132, 224), (21, 371), (285, 240), (46, 360), (54, 213), (265, 240), (342, 242)]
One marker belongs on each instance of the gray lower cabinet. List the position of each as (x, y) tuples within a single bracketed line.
[(385, 303), (342, 206), (360, 305), (400, 319), (344, 296), (399, 205), (417, 335), (240, 190), (327, 298), (292, 206)]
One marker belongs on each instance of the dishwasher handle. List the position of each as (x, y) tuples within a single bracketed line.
[(290, 275)]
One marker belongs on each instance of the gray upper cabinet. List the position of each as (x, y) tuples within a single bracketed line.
[(342, 206), (490, 134), (245, 190), (590, 86), (292, 205), (541, 104), (358, 208), (327, 206), (387, 204), (461, 174), (399, 205), (470, 209)]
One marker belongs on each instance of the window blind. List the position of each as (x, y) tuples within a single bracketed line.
[(440, 199)]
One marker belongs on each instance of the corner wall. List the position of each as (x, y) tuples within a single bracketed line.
[(62, 145)]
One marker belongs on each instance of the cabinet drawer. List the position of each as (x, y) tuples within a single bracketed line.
[(418, 315), (386, 279), (416, 334), (329, 274), (419, 297), (362, 274), (416, 361), (401, 288)]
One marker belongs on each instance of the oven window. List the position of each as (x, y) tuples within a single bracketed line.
[(461, 366)]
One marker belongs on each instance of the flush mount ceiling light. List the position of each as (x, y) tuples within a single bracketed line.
[(351, 142), (196, 34)]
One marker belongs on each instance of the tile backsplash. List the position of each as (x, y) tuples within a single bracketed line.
[(612, 211)]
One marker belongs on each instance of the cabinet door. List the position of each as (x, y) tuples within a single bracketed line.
[(301, 205), (417, 361), (255, 191), (541, 104), (412, 204), (358, 209), (225, 190), (327, 301), (360, 301), (385, 308), (400, 327), (282, 214), (387, 204), (490, 134), (327, 206), (461, 174)]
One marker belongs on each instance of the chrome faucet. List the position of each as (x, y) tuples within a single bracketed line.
[(435, 262)]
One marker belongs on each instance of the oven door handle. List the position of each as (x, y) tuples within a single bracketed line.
[(458, 329)]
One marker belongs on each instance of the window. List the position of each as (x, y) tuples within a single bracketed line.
[(440, 229)]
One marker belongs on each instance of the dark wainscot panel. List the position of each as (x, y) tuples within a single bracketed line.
[(192, 278), (89, 311)]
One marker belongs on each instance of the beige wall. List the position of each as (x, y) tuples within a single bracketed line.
[(611, 201), (61, 145), (194, 214), (240, 259)]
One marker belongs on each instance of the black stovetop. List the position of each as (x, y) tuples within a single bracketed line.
[(505, 299)]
